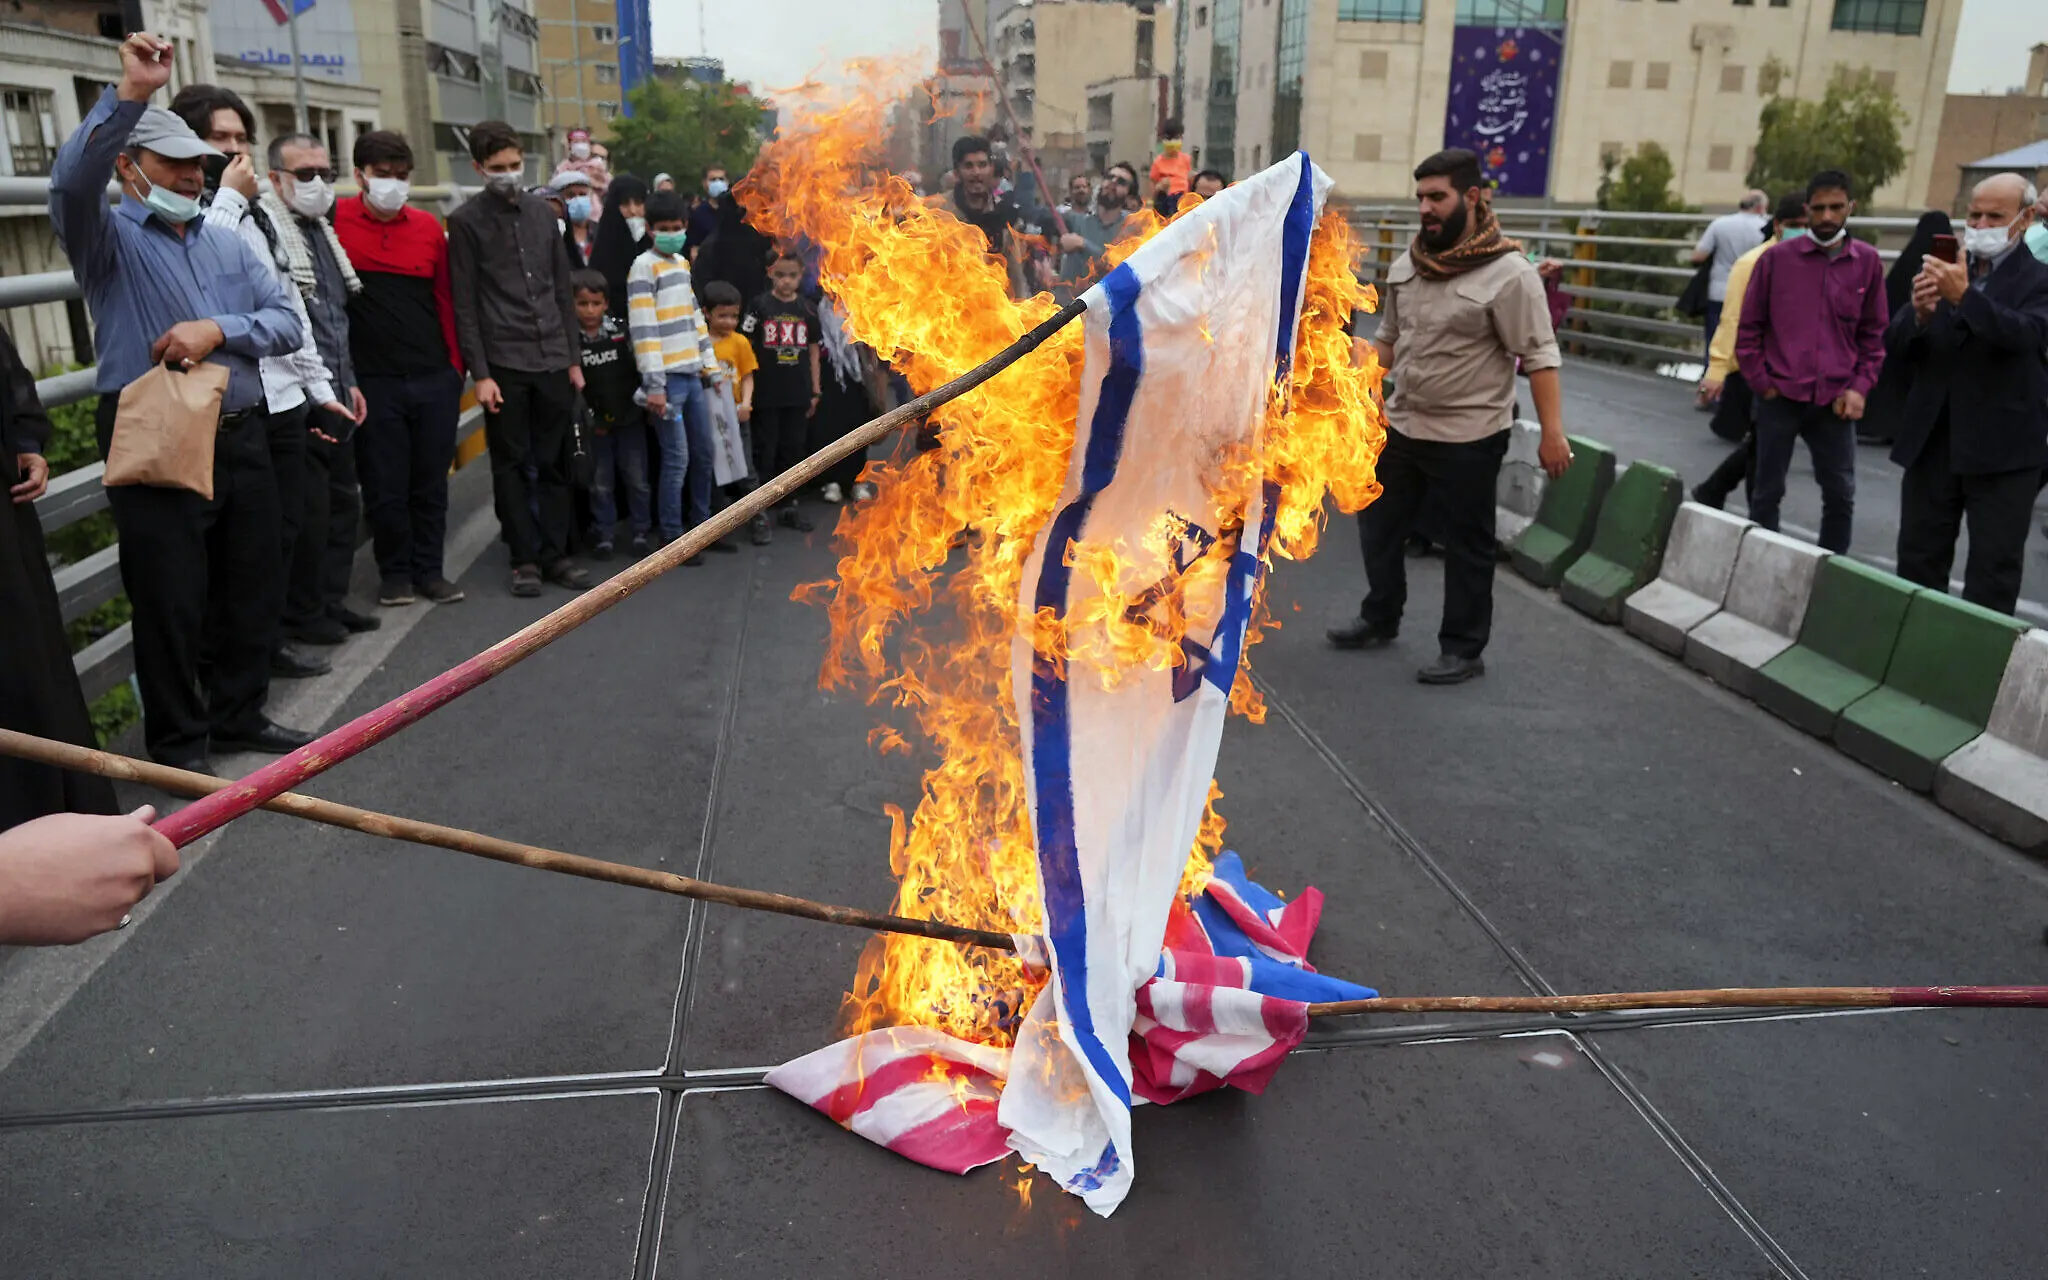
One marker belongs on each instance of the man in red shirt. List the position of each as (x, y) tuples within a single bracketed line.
[(402, 339)]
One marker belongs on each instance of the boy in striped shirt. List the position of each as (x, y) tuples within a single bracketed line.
[(672, 349)]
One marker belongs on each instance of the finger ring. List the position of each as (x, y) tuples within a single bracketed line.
[(126, 920)]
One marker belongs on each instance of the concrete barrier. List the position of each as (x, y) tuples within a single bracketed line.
[(1693, 581), (1938, 689), (1999, 781), (1845, 643), (1628, 542), (1518, 493), (1564, 524), (1766, 600)]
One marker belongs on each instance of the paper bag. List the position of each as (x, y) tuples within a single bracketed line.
[(164, 429), (730, 458)]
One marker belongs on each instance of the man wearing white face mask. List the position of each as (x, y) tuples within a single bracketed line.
[(1974, 435), (402, 340), (167, 288)]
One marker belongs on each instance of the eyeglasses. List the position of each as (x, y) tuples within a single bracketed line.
[(311, 174)]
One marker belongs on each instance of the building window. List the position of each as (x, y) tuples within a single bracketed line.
[(1656, 75), (1379, 10), (1223, 63), (1511, 13), (1887, 80), (31, 132), (1289, 62), (1372, 64), (607, 73), (1201, 17), (1366, 147), (1100, 114), (1258, 152), (1732, 78), (1745, 4), (607, 109), (1720, 159), (453, 63), (603, 35), (1883, 17), (1620, 75), (1781, 4), (1144, 50)]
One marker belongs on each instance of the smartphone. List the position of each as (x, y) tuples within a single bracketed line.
[(1944, 248)]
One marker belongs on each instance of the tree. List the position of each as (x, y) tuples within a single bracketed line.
[(1643, 184), (1854, 127), (683, 128)]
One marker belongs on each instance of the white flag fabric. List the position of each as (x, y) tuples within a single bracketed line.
[(1184, 341)]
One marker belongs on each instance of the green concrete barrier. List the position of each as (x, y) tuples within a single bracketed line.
[(1938, 689), (1628, 541), (1565, 522), (1845, 643)]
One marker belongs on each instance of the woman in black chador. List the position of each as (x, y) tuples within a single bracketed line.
[(39, 693)]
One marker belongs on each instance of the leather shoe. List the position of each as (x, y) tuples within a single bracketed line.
[(268, 737), (1360, 634), (356, 622), (287, 663), (1449, 669), (320, 631)]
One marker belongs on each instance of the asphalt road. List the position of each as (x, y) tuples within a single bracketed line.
[(325, 1055)]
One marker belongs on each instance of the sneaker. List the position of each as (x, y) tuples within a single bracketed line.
[(526, 581), (834, 495), (393, 592), (760, 530), (639, 544), (602, 551), (862, 491), (440, 591), (791, 518), (564, 573), (356, 622)]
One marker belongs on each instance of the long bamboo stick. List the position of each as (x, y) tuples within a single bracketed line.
[(315, 758), (182, 782)]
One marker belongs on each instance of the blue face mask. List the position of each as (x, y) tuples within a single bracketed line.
[(578, 208), (1792, 233), (167, 204), (670, 242), (716, 188), (2037, 241)]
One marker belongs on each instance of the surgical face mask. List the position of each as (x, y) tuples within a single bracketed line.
[(579, 151), (166, 203), (1829, 242), (1792, 233), (386, 195), (310, 199), (561, 226), (579, 208), (1986, 242), (504, 184), (716, 188), (669, 242), (637, 227), (2037, 241)]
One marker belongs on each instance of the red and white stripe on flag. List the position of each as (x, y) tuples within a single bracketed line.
[(921, 1093)]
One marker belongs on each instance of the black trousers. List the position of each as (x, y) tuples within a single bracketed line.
[(405, 447), (1456, 482), (1933, 504), (207, 585), (1732, 471), (326, 550), (782, 433), (286, 433), (529, 435)]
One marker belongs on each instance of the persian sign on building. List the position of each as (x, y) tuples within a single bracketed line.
[(255, 31), (1503, 102)]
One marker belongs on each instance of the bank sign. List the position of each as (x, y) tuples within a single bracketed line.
[(255, 31), (1503, 102)]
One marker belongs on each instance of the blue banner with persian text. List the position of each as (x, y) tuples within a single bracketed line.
[(1503, 102)]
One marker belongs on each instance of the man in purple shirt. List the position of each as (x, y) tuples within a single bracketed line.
[(1809, 345)]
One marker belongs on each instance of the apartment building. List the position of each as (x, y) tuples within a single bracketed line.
[(579, 46), (1048, 53), (1543, 88)]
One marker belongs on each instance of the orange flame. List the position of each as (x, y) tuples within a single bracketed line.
[(950, 529)]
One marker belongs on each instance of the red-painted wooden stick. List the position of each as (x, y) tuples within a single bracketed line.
[(1709, 998), (315, 758)]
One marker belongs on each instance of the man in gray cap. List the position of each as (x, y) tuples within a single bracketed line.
[(204, 575)]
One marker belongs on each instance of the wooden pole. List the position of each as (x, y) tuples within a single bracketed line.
[(310, 761), (182, 782)]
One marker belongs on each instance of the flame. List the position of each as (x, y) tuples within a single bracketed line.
[(947, 536)]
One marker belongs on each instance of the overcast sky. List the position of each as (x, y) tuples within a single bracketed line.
[(777, 44)]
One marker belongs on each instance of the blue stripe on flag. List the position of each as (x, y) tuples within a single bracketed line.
[(1059, 864), (1294, 237)]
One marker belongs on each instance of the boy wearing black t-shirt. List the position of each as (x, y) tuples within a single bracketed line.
[(783, 327), (620, 447)]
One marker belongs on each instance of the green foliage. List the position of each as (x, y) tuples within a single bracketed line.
[(683, 128), (114, 711), (1855, 127), (74, 445), (90, 626), (1642, 184)]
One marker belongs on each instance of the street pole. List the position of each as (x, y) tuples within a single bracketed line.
[(291, 22)]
